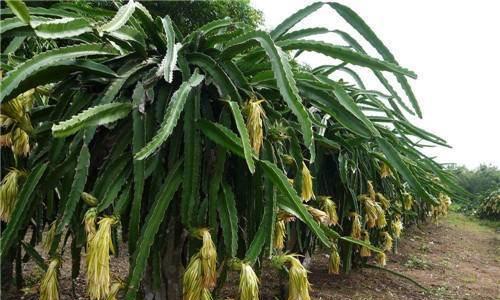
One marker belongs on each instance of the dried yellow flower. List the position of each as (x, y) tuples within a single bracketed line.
[(8, 193), (249, 283), (381, 221), (407, 201), (192, 279), (397, 226), (89, 220), (98, 276), (49, 237), (208, 256), (318, 215), (384, 202), (371, 190), (387, 245), (334, 261), (6, 140), (356, 225), (20, 142), (385, 170), (298, 284), (115, 288), (365, 251), (371, 213), (49, 286), (381, 259), (255, 114), (329, 206), (279, 235)]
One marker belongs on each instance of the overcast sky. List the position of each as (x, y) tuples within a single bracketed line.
[(453, 46)]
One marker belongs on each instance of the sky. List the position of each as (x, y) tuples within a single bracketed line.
[(453, 46)]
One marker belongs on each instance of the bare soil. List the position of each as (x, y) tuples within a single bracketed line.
[(457, 259)]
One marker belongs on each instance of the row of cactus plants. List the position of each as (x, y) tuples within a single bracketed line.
[(210, 152)]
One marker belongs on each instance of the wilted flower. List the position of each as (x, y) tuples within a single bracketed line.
[(208, 256), (381, 258), (115, 288), (407, 201), (371, 190), (329, 206), (279, 234), (371, 213), (249, 283), (307, 184), (255, 114), (384, 202), (8, 193), (356, 225), (20, 142), (381, 221), (385, 170), (387, 245), (192, 280), (397, 226), (49, 287), (318, 215), (100, 245), (334, 261), (365, 251), (89, 222), (16, 111), (6, 140), (297, 277), (49, 237)]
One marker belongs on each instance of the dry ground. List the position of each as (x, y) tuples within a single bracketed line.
[(458, 259)]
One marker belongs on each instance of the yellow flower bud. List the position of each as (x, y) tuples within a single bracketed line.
[(307, 184), (89, 199)]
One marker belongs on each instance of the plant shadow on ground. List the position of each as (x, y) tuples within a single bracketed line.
[(457, 259)]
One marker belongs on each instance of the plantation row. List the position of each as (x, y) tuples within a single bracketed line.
[(212, 150)]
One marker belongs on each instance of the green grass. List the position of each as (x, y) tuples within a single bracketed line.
[(473, 223)]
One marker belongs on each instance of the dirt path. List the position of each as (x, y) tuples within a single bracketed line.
[(458, 259)]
